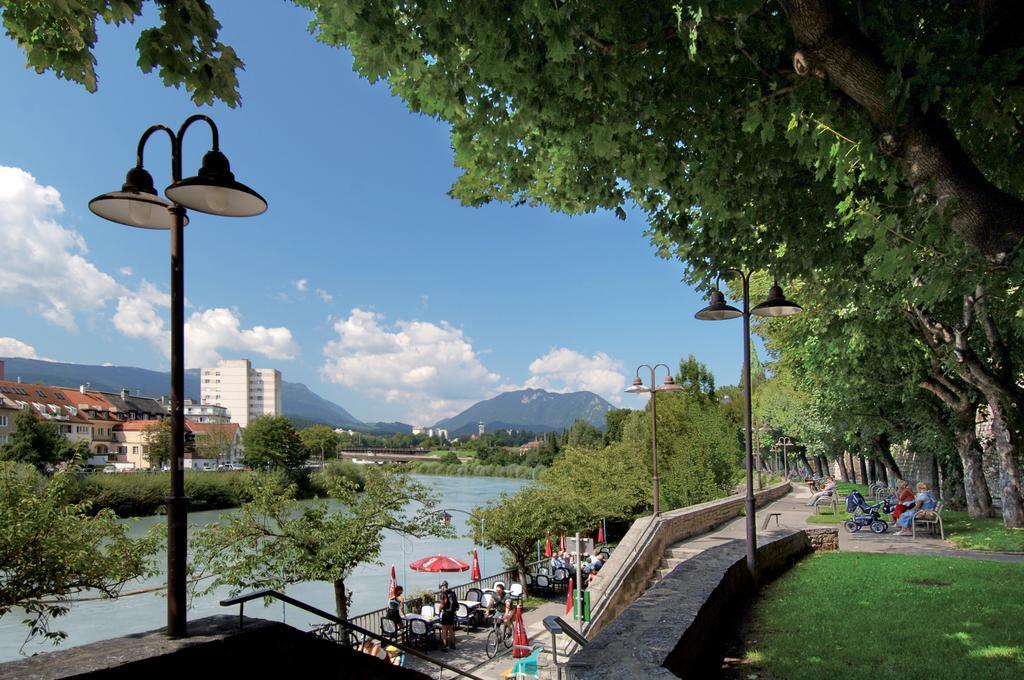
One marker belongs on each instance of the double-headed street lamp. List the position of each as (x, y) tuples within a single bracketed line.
[(638, 387), (718, 310), (446, 520), (213, 190), (784, 443)]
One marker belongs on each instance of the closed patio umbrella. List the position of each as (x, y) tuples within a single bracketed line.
[(475, 574), (547, 546), (520, 640)]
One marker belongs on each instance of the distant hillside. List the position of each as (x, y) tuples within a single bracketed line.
[(296, 399), (534, 410)]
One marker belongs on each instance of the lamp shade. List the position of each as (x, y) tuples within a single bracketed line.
[(776, 304), (669, 385), (637, 387), (215, 191), (136, 204), (718, 310)]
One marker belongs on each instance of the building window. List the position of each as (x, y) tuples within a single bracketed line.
[(3, 421), (135, 449)]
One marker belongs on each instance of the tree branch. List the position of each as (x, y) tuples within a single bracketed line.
[(934, 162)]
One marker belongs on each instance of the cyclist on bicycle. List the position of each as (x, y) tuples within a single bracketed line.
[(500, 604)]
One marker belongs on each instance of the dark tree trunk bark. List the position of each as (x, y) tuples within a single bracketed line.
[(844, 474), (884, 448), (934, 473), (807, 464), (1005, 443), (934, 162), (853, 467), (863, 470), (872, 471), (976, 493), (953, 484), (521, 568), (883, 475), (817, 466), (341, 601)]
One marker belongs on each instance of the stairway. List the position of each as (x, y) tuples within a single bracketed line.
[(674, 554)]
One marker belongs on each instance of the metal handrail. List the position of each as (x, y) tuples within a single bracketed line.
[(551, 621), (240, 600)]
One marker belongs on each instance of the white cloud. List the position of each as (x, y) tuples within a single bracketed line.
[(432, 368), (302, 285), (324, 295), (12, 347), (208, 331), (125, 271), (566, 370), (44, 263)]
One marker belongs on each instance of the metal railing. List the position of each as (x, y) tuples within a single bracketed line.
[(349, 627)]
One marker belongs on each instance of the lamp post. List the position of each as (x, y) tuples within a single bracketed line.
[(718, 310), (446, 519), (638, 387), (785, 443), (213, 190)]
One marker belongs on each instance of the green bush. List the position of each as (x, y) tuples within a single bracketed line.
[(145, 493), (335, 470), (473, 470)]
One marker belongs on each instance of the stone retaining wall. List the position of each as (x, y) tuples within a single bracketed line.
[(676, 628), (636, 559)]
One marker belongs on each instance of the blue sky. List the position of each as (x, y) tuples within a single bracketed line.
[(364, 280)]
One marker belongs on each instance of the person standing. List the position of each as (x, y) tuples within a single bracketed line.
[(449, 606)]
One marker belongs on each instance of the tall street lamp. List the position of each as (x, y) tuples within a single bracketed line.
[(785, 443), (718, 310), (638, 387), (213, 190)]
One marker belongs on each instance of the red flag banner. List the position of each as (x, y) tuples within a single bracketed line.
[(475, 573), (568, 597), (547, 546)]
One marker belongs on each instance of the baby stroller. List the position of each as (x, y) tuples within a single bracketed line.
[(870, 515)]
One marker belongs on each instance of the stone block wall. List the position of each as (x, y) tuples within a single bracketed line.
[(676, 628), (629, 569)]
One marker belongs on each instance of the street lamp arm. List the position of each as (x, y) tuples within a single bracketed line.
[(145, 138), (214, 133)]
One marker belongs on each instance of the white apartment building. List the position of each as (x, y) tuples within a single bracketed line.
[(246, 392), (206, 413)]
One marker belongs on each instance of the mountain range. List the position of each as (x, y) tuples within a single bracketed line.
[(297, 400), (532, 409)]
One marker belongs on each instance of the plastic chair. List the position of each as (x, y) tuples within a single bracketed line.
[(515, 591), (527, 667), (474, 595), (499, 583), (427, 611), (542, 584), (389, 629), (420, 632), (464, 617)]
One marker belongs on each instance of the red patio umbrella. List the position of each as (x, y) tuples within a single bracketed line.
[(520, 640), (438, 563), (561, 543), (547, 546), (475, 574), (600, 531), (394, 584), (568, 597)]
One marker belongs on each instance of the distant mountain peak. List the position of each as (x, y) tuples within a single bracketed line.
[(529, 409)]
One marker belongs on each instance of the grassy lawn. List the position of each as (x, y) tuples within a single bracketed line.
[(988, 533), (876, 616)]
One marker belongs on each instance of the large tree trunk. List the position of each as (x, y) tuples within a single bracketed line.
[(883, 475), (884, 447), (807, 464), (976, 494), (934, 473), (817, 466), (853, 467), (844, 474), (935, 164), (1005, 443), (340, 599), (872, 471), (863, 470)]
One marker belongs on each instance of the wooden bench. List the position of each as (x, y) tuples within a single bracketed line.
[(768, 518), (930, 520)]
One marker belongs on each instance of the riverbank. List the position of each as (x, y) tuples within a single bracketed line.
[(474, 470), (138, 494)]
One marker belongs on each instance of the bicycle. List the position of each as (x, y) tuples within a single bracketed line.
[(501, 634)]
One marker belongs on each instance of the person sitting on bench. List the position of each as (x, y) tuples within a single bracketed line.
[(830, 488)]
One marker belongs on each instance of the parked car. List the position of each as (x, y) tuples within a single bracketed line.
[(110, 469), (230, 466)]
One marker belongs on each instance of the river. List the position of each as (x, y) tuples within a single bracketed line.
[(102, 619)]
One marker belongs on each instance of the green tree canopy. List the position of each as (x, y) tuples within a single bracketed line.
[(34, 441), (157, 439), (272, 442), (52, 548), (584, 435), (320, 441), (274, 541), (614, 481)]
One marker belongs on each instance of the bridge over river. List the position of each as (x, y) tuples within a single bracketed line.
[(383, 453)]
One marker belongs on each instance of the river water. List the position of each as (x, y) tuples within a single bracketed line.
[(102, 619)]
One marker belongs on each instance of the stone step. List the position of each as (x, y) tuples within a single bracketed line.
[(670, 562), (681, 552)]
